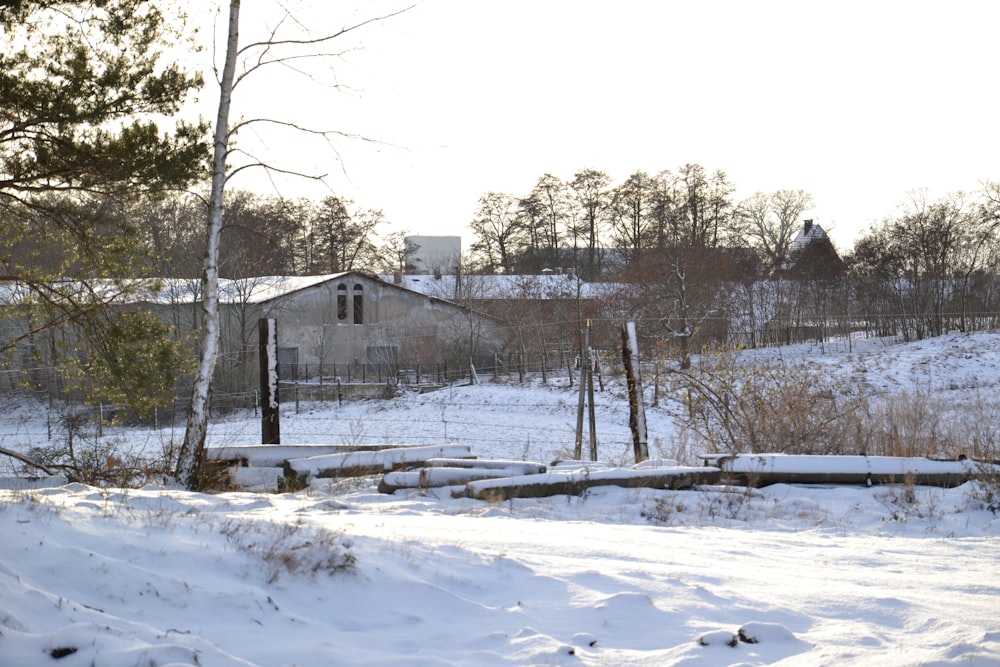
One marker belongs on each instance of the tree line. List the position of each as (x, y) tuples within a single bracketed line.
[(270, 235), (599, 225), (589, 218)]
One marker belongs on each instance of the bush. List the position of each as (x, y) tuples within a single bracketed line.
[(292, 548), (736, 406)]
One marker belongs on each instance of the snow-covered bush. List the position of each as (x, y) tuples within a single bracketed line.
[(292, 548)]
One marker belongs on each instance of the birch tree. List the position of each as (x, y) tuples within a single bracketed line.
[(256, 55)]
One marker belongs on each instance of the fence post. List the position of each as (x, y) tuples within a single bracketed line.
[(267, 332), (636, 409)]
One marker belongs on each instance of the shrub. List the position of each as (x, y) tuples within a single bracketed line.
[(749, 406), (292, 548)]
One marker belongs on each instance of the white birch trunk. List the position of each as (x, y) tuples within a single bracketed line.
[(189, 463)]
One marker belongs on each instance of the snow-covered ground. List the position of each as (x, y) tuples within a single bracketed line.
[(342, 575)]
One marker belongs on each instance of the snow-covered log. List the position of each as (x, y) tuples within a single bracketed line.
[(356, 464), (435, 475), (765, 469), (504, 465), (276, 455), (575, 482)]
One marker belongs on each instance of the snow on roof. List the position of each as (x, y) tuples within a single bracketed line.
[(265, 288), (166, 291), (809, 233), (541, 287)]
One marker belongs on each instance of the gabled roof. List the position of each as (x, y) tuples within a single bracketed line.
[(231, 291), (810, 232), (811, 254)]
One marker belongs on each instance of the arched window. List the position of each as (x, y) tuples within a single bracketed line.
[(341, 302), (359, 300)]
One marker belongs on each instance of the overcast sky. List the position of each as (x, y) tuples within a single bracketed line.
[(858, 103)]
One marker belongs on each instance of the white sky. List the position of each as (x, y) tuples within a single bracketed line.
[(858, 103)]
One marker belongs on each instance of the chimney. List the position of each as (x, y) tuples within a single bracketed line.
[(806, 227)]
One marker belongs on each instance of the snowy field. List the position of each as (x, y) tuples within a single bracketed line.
[(342, 575)]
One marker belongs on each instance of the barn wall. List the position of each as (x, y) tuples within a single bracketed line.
[(397, 328)]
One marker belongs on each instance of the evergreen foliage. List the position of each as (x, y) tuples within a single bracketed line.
[(87, 137)]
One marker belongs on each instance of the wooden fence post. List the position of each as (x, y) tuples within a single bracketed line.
[(636, 408), (267, 333)]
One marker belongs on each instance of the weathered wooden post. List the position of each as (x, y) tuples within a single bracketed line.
[(586, 396), (636, 408), (267, 333)]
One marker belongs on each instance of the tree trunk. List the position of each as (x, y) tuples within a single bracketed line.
[(190, 458)]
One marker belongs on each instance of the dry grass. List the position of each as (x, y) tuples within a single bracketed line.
[(733, 406)]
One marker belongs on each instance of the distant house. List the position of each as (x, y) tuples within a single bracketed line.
[(812, 256), (356, 322)]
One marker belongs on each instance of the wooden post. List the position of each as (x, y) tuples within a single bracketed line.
[(590, 399), (636, 408), (267, 332), (586, 390)]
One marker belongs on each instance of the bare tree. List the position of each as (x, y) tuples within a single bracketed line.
[(593, 199), (395, 252), (551, 200), (706, 207), (630, 223), (771, 221), (497, 228), (258, 55), (343, 236), (260, 235)]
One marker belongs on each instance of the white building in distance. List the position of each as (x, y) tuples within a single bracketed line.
[(437, 255)]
